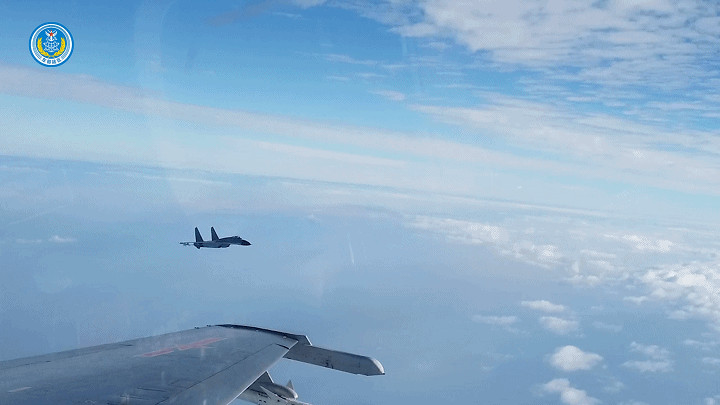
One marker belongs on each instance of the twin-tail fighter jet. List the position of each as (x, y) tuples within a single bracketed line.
[(215, 242)]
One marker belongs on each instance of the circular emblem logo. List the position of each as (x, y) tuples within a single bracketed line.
[(51, 44)]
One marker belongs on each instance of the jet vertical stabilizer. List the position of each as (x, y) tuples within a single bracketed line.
[(213, 234)]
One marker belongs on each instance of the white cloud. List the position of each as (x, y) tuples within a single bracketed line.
[(478, 233), (568, 394), (619, 148), (308, 3), (496, 320), (644, 243), (703, 345), (61, 239), (544, 255), (571, 358), (715, 400), (23, 241), (342, 58), (390, 95), (712, 361), (635, 299), (543, 306), (658, 359), (605, 40), (652, 351), (649, 366), (474, 233), (559, 326), (694, 286), (623, 54), (300, 149)]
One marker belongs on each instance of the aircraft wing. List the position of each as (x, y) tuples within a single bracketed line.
[(210, 365)]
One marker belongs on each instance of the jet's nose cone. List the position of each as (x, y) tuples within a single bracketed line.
[(245, 243)]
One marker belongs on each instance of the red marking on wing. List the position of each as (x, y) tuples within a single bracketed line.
[(194, 345), (158, 352), (199, 343)]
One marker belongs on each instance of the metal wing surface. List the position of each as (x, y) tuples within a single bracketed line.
[(210, 366)]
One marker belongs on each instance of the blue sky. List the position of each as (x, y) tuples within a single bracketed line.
[(509, 202)]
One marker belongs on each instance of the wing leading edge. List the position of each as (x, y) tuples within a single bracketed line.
[(211, 365)]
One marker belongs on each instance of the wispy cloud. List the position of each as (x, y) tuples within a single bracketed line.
[(343, 58), (505, 320), (651, 43), (645, 243), (391, 95), (477, 233), (610, 146), (61, 239), (715, 400), (652, 351), (304, 149), (712, 361), (657, 359), (702, 345), (649, 366), (464, 231), (23, 241)]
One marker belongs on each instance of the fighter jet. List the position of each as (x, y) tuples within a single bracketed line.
[(215, 242)]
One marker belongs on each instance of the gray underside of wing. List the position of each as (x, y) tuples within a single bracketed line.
[(211, 366)]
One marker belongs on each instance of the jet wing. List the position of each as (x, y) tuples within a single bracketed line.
[(210, 365)]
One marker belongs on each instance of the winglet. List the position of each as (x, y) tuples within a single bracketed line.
[(305, 352), (198, 237), (213, 234), (336, 360)]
